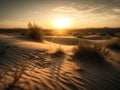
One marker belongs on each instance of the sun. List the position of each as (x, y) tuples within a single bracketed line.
[(61, 23)]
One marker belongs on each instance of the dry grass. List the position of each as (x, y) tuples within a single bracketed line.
[(113, 44), (34, 32), (59, 52), (89, 52)]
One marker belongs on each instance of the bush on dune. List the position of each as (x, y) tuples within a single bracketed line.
[(34, 32), (89, 52), (59, 52), (113, 44)]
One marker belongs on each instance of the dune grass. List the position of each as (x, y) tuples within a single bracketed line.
[(34, 32), (113, 44), (89, 52), (59, 52)]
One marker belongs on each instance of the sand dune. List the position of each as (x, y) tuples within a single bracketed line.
[(43, 72), (65, 40), (93, 37)]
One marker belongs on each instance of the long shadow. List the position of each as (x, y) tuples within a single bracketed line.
[(56, 76), (9, 59), (64, 76), (99, 75)]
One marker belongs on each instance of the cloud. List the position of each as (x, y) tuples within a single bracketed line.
[(117, 10), (94, 6), (75, 7), (100, 12), (65, 9), (116, 1)]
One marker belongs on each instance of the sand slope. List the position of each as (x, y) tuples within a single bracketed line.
[(43, 72)]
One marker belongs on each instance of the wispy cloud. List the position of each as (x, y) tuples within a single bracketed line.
[(116, 1), (117, 10), (76, 8), (95, 13), (97, 9), (65, 9)]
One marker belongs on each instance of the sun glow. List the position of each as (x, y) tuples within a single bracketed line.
[(61, 23)]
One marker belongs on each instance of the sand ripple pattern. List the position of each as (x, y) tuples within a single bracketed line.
[(43, 72)]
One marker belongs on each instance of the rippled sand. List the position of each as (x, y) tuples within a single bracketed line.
[(43, 72)]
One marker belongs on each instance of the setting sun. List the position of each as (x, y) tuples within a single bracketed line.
[(61, 23)]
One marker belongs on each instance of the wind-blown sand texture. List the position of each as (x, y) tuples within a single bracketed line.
[(43, 72), (93, 37)]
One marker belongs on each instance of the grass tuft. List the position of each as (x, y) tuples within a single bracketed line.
[(113, 44), (58, 53), (90, 52), (34, 32)]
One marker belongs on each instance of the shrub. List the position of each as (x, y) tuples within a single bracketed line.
[(89, 52), (34, 32), (59, 52), (113, 44)]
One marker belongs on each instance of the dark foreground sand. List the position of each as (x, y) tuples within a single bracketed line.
[(43, 72)]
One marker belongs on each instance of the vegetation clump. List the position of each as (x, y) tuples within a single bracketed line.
[(34, 32), (113, 44), (90, 52), (59, 52)]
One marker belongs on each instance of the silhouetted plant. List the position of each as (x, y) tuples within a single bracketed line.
[(89, 52), (34, 32), (59, 52), (113, 44)]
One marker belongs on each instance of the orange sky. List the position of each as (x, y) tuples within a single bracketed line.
[(81, 13)]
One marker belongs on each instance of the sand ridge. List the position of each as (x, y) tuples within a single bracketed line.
[(43, 72)]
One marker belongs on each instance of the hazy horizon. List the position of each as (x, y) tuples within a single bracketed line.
[(79, 13)]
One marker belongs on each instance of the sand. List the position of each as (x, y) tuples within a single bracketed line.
[(93, 37), (43, 72)]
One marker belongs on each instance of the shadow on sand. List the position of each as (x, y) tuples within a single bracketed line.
[(99, 75)]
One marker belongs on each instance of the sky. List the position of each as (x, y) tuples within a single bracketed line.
[(82, 13)]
